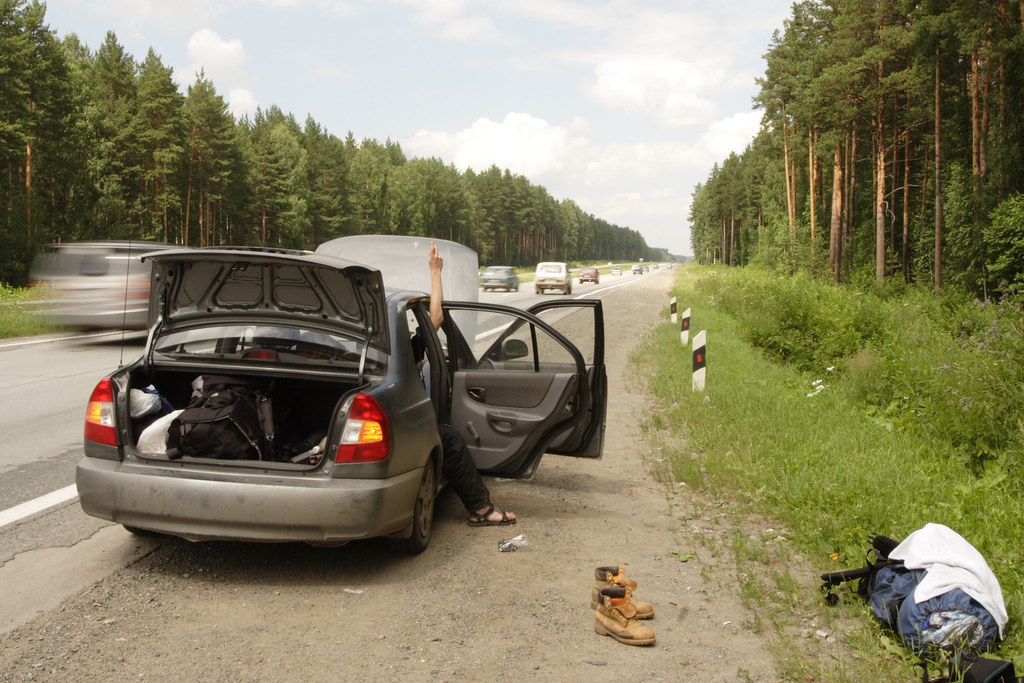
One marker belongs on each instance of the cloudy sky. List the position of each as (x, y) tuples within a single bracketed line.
[(620, 105)]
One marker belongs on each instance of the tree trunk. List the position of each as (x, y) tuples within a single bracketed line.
[(732, 239), (849, 244), (790, 194), (937, 276), (975, 124), (986, 79), (725, 244), (905, 247), (835, 245), (188, 203), (880, 194), (28, 190), (812, 175)]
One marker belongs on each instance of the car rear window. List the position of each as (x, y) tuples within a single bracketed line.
[(277, 344)]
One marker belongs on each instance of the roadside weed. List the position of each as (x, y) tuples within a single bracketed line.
[(841, 414), (19, 315)]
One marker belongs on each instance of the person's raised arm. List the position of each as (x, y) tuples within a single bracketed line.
[(436, 264)]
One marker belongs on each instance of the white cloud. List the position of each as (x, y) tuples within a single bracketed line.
[(178, 14), (221, 60), (731, 134), (671, 89), (561, 12), (521, 143), (449, 18), (242, 102)]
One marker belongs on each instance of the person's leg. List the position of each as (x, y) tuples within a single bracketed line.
[(458, 468), (460, 471)]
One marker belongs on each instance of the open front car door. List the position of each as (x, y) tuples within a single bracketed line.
[(521, 387)]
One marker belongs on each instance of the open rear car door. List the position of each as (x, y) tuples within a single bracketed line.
[(521, 387)]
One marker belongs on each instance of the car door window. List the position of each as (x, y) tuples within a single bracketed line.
[(517, 385)]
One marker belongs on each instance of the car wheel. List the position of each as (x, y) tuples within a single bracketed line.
[(422, 515), (537, 290), (140, 532), (516, 289)]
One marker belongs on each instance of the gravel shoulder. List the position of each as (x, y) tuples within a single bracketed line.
[(461, 610)]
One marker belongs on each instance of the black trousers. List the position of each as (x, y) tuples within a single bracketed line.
[(460, 471)]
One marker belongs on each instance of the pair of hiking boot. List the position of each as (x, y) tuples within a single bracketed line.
[(616, 613)]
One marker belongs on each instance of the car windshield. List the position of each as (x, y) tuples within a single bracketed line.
[(278, 344), (551, 268), (497, 270)]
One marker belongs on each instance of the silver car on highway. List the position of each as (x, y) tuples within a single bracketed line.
[(95, 285), (354, 450)]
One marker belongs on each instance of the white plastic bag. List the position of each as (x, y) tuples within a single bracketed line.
[(154, 437), (142, 403)]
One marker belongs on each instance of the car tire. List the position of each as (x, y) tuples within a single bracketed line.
[(537, 290), (516, 288), (140, 532), (422, 515)]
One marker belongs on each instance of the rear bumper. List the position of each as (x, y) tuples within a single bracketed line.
[(250, 507)]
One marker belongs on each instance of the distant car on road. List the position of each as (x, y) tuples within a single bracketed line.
[(589, 275), (616, 271), (552, 275), (500, 277), (638, 270)]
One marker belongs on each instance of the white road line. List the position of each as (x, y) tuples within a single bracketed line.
[(615, 286), (20, 512), (46, 340)]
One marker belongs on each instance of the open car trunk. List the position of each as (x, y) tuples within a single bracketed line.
[(289, 423)]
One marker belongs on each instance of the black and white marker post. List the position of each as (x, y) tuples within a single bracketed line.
[(672, 308), (684, 330), (700, 360)]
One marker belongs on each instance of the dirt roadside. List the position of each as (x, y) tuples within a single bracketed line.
[(460, 611)]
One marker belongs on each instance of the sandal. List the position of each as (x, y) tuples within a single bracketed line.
[(484, 518)]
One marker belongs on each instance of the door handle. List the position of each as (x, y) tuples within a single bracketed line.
[(477, 394), (502, 420)]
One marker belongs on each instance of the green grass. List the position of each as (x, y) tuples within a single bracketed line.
[(19, 313), (874, 451)]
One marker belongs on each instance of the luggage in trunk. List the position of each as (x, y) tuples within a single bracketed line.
[(234, 417)]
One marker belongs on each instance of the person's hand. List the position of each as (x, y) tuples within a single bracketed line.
[(434, 259)]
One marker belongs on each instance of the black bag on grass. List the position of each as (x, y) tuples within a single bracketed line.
[(227, 419), (970, 668), (866, 576)]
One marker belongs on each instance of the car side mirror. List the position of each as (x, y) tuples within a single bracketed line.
[(514, 348)]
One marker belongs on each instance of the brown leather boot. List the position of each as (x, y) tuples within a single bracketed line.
[(609, 577), (615, 575), (616, 617)]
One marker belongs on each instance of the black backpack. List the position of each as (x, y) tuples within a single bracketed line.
[(877, 558), (230, 419)]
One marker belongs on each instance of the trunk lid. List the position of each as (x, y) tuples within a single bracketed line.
[(214, 286)]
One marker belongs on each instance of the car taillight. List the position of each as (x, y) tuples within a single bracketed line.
[(99, 415), (366, 436)]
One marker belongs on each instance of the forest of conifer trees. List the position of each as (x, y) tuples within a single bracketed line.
[(891, 148), (95, 144)]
